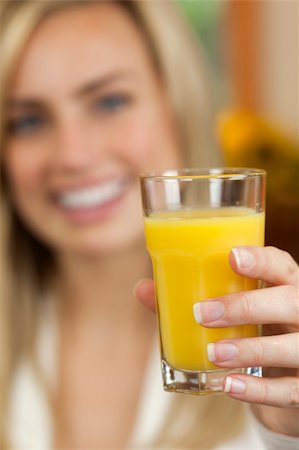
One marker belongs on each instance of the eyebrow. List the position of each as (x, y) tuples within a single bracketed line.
[(99, 83), (23, 104), (85, 90)]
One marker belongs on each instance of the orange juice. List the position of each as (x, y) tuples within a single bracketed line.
[(189, 251)]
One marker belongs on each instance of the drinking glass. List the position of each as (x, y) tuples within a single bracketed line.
[(193, 218)]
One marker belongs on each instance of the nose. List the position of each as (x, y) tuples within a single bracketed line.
[(77, 148)]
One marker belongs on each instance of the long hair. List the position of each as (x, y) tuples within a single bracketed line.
[(27, 264)]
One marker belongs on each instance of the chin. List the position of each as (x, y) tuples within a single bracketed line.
[(95, 245)]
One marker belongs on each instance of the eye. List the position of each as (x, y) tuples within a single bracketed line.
[(25, 125), (111, 103)]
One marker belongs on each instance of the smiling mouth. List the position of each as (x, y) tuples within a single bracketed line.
[(92, 197)]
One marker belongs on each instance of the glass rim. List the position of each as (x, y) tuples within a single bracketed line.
[(233, 173)]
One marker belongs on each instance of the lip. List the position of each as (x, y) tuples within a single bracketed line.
[(84, 215)]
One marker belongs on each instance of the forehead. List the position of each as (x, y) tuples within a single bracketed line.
[(78, 43)]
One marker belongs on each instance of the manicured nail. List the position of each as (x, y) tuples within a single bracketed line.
[(244, 258), (208, 311), (211, 352), (234, 386), (224, 351)]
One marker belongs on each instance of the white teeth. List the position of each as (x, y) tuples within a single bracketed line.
[(91, 196)]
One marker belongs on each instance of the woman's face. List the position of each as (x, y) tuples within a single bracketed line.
[(86, 114)]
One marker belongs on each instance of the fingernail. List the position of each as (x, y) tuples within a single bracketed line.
[(211, 352), (208, 311), (234, 386), (244, 258), (224, 351)]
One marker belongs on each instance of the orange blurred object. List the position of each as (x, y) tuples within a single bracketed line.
[(248, 140)]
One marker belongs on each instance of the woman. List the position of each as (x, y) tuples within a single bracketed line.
[(93, 93)]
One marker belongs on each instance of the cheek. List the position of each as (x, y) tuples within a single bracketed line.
[(147, 142), (23, 168)]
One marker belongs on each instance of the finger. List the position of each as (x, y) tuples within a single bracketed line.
[(144, 291), (269, 351), (281, 392), (262, 306), (269, 264)]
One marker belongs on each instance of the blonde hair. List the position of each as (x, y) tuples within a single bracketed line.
[(25, 264)]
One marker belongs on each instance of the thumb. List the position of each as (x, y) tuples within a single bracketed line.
[(144, 291)]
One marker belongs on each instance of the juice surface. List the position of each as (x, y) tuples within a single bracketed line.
[(189, 251)]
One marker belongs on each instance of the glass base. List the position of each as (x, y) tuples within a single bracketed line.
[(201, 382)]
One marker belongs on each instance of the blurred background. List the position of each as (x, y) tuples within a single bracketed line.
[(253, 51)]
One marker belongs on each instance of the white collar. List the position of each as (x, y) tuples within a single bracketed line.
[(29, 416)]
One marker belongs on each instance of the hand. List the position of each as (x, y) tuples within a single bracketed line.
[(277, 306)]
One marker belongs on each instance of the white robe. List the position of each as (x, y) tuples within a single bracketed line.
[(30, 427)]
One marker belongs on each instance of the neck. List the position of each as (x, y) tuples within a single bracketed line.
[(99, 290)]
